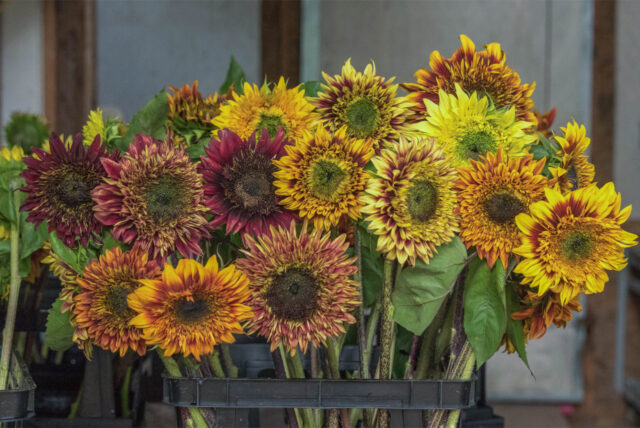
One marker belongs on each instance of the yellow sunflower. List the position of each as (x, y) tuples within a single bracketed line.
[(363, 102), (410, 203), (570, 241), (93, 127), (490, 194), (574, 171), (322, 175), (191, 308), (265, 108), (469, 126), (485, 71)]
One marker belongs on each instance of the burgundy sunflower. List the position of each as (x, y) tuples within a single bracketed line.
[(101, 307), (238, 176), (59, 186), (153, 198), (301, 291)]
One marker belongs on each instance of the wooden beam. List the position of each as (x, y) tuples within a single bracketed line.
[(281, 40), (70, 63)]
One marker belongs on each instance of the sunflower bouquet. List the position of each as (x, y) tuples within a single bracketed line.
[(433, 228)]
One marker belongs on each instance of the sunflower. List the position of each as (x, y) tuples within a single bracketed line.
[(322, 175), (575, 170), (10, 167), (411, 201), (26, 131), (59, 186), (93, 127), (542, 311), (490, 194), (485, 72), (154, 199), (301, 291), (238, 182), (101, 306), (188, 104), (571, 240), (363, 102), (264, 108), (469, 126), (545, 122), (191, 308)]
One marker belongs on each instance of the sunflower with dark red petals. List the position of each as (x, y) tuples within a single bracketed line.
[(545, 122), (153, 198), (238, 177), (101, 306), (485, 71), (301, 290), (59, 185), (490, 195), (191, 308)]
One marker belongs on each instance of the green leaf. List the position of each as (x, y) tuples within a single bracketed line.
[(420, 290), (515, 331), (31, 238), (235, 77), (402, 350), (372, 265), (149, 120), (195, 151), (108, 242), (311, 88), (65, 253), (59, 331), (485, 310), (7, 207)]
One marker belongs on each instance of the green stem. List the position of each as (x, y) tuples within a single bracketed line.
[(288, 373), (14, 291), (364, 363), (298, 372), (229, 367), (333, 355), (124, 393), (214, 359), (75, 405), (387, 329), (427, 347)]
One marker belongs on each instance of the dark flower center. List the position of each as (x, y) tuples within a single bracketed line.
[(475, 144), (577, 245), (362, 115), (326, 177), (253, 190), (293, 295), (116, 301), (271, 123), (192, 310), (166, 199), (249, 183), (503, 207), (422, 200), (74, 190)]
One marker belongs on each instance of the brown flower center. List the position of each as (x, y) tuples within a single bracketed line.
[(253, 190), (422, 200), (116, 301), (249, 183), (293, 295), (192, 310), (503, 207)]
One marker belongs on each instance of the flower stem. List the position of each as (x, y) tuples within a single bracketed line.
[(214, 359), (230, 368), (386, 329), (14, 291), (124, 394), (298, 372), (364, 363)]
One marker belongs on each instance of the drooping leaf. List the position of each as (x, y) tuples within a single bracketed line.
[(515, 331), (67, 255), (485, 310), (235, 77), (311, 88), (31, 239), (420, 290), (59, 331), (149, 120)]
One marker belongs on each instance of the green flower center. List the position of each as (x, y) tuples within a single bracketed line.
[(475, 144), (503, 207), (166, 199), (116, 301), (293, 295), (362, 115), (254, 190), (193, 310), (271, 123), (577, 245), (326, 178), (422, 200), (74, 190)]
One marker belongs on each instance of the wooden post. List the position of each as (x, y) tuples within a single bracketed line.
[(281, 40)]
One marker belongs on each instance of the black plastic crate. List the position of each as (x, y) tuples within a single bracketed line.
[(18, 403)]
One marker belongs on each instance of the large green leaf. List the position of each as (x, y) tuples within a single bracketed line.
[(420, 290), (515, 331), (59, 331), (485, 310), (311, 88), (67, 255), (235, 77), (149, 120), (31, 238), (372, 265)]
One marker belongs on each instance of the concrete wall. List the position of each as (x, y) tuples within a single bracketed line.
[(144, 46)]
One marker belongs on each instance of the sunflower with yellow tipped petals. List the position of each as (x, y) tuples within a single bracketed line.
[(575, 170)]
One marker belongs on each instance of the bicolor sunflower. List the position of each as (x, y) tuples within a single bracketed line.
[(543, 311), (238, 182), (469, 126), (101, 305), (545, 122), (575, 170), (265, 108), (188, 104), (364, 102), (410, 202), (485, 71), (491, 193), (59, 186), (191, 308), (154, 199), (570, 241), (301, 290), (322, 176)]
